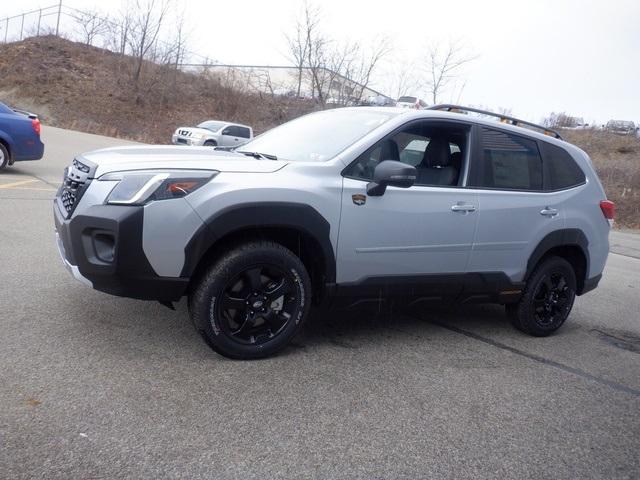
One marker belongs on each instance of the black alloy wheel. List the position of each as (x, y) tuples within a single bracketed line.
[(257, 304), (547, 299), (252, 300), (551, 299)]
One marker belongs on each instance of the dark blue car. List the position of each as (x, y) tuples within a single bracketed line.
[(19, 136)]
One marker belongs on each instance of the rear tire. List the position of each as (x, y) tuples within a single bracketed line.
[(4, 157), (251, 301), (547, 299)]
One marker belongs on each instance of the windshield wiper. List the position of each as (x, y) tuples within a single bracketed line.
[(258, 155)]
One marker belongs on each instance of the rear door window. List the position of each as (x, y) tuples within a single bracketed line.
[(509, 162), (243, 132)]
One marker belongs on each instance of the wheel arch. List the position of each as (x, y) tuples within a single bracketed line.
[(570, 244), (298, 227), (4, 140)]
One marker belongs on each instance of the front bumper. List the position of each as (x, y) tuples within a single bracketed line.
[(179, 140), (102, 248)]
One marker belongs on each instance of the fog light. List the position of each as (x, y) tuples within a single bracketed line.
[(104, 245)]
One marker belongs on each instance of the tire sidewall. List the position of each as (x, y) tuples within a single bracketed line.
[(525, 313), (4, 162), (226, 270)]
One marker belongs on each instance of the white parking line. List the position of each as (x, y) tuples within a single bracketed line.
[(17, 184)]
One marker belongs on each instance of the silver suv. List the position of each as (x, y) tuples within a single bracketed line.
[(213, 133), (341, 206)]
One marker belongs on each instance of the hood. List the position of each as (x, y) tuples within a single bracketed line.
[(163, 157), (193, 131)]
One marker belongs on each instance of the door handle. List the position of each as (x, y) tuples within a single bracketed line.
[(463, 208), (549, 212)]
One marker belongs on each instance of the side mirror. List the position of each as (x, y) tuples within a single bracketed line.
[(391, 173)]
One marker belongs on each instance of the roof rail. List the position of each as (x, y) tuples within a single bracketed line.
[(503, 118)]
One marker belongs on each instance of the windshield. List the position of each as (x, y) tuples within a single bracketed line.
[(213, 126), (319, 136), (407, 99)]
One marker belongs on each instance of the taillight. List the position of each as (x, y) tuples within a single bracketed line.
[(35, 123), (608, 209)]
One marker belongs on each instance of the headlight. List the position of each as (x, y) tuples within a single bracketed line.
[(142, 186)]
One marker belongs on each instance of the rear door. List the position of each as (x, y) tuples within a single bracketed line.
[(229, 136), (235, 135), (514, 213)]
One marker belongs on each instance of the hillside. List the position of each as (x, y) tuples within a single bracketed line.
[(617, 161), (72, 85)]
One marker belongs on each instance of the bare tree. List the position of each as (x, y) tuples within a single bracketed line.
[(560, 120), (119, 28), (297, 44), (316, 50), (91, 24), (443, 65), (148, 18), (336, 70), (366, 64)]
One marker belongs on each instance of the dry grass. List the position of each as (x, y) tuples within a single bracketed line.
[(617, 161)]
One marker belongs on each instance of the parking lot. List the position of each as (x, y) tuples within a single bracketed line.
[(94, 386)]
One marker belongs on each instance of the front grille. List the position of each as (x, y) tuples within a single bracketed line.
[(182, 140), (75, 182)]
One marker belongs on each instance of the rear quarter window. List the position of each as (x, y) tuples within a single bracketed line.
[(562, 171)]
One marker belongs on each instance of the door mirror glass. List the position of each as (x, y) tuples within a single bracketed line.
[(391, 173)]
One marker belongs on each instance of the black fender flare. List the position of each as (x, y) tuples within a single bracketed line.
[(298, 216), (566, 237)]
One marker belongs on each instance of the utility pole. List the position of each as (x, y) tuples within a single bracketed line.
[(59, 12), (39, 18)]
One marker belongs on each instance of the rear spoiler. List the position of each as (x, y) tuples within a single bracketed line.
[(32, 116), (503, 118)]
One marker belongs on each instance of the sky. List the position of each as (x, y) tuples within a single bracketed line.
[(531, 56)]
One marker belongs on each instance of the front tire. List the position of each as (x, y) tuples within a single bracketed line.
[(210, 143), (252, 301), (4, 157), (547, 300)]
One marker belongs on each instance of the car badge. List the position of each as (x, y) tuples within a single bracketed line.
[(359, 199)]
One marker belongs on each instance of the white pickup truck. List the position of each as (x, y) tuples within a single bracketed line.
[(213, 133)]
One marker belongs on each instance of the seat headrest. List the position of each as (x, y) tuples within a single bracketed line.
[(437, 153)]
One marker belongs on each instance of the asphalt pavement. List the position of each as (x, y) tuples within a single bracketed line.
[(94, 386)]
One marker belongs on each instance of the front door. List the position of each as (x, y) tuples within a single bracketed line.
[(409, 234)]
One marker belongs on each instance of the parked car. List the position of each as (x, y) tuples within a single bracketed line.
[(380, 101), (213, 133), (411, 102), (342, 205), (621, 127), (19, 136)]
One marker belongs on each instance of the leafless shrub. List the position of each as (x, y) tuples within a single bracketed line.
[(443, 64), (90, 24), (336, 71)]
